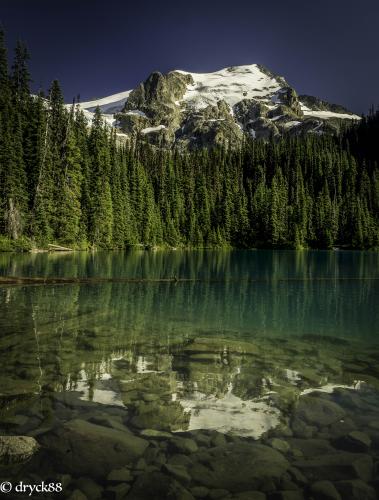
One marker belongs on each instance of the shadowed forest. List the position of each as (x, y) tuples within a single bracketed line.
[(63, 181)]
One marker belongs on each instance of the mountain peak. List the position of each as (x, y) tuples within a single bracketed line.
[(189, 109)]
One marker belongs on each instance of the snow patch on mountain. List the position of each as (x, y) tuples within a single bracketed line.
[(148, 130), (229, 84), (108, 105), (291, 124), (330, 114), (136, 112)]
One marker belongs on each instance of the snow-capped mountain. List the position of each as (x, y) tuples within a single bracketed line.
[(199, 109)]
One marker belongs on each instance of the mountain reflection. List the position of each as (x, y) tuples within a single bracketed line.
[(179, 355)]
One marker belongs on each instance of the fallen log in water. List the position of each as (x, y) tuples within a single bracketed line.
[(21, 280), (58, 248), (25, 280)]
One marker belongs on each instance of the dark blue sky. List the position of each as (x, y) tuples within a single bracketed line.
[(327, 48)]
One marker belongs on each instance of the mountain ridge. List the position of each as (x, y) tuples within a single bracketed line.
[(192, 110)]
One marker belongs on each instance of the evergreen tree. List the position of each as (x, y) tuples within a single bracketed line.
[(69, 209), (64, 179), (101, 208)]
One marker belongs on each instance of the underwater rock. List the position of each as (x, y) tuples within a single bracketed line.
[(341, 428), (374, 436), (184, 460), (374, 424), (199, 491), (15, 421), (17, 449), (114, 422), (72, 400), (84, 448), (324, 490), (158, 486), (279, 444), (155, 434), (218, 439), (240, 467), (117, 492), (354, 441), (301, 429), (77, 495), (337, 466), (91, 489), (122, 475), (287, 495), (350, 399), (140, 465), (317, 411), (64, 479), (218, 493), (201, 438), (355, 489), (311, 447), (281, 431), (184, 445), (159, 459), (250, 495), (178, 472), (297, 476)]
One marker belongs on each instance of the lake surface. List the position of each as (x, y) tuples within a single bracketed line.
[(268, 360)]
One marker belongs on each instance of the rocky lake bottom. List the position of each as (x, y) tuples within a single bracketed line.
[(206, 418), (214, 389)]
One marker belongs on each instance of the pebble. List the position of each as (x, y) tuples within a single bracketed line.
[(155, 434), (117, 492), (218, 440), (324, 490), (199, 491), (355, 489), (218, 493), (185, 445), (89, 487), (77, 495), (122, 475), (178, 472), (279, 444), (140, 465), (287, 495)]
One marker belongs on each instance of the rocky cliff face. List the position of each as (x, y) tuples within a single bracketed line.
[(190, 110)]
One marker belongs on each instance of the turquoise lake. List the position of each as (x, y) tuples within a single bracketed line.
[(265, 357)]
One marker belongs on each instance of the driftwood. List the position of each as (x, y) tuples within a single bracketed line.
[(20, 280), (16, 280), (58, 248)]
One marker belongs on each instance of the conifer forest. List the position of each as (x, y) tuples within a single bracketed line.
[(65, 181)]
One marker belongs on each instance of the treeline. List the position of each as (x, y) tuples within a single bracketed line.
[(63, 181)]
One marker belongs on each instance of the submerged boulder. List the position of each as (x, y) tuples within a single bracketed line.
[(354, 441), (17, 449), (85, 448), (156, 486), (324, 490), (240, 467), (311, 447), (317, 411), (355, 489), (337, 466)]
